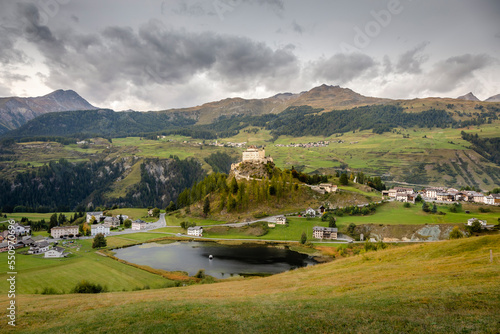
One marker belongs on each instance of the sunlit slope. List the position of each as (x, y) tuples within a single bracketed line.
[(441, 287)]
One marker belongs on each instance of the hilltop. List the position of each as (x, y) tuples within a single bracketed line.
[(448, 286)]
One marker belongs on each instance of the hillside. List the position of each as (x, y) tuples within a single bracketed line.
[(443, 287), (16, 111)]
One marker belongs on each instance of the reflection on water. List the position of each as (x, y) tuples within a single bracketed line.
[(227, 260)]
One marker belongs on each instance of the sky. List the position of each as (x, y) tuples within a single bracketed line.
[(155, 55)]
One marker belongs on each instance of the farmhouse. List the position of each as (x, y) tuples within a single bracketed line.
[(98, 215), (329, 233), (39, 247), (95, 229), (4, 246), (21, 229), (310, 212), (196, 231), (55, 252), (63, 231), (138, 225), (281, 220), (432, 192)]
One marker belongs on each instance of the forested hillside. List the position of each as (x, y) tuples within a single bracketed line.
[(65, 186)]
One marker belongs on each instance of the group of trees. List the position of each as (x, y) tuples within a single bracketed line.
[(354, 210), (487, 147), (309, 179)]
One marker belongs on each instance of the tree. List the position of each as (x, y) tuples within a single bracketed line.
[(127, 223), (234, 186), (434, 208), (425, 207), (406, 204), (206, 206), (474, 227), (53, 221), (351, 228), (156, 212), (456, 233), (332, 222), (344, 180), (120, 218), (418, 198), (171, 207), (99, 241), (303, 238)]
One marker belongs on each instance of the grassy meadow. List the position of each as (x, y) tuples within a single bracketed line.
[(444, 287)]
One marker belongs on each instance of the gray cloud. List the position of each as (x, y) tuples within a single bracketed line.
[(342, 68), (297, 27), (411, 61), (450, 73)]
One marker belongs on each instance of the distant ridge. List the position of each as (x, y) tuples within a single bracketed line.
[(468, 97), (494, 98), (16, 111)]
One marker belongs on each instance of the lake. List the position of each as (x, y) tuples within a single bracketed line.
[(228, 260)]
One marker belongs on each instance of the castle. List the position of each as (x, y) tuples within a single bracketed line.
[(253, 155)]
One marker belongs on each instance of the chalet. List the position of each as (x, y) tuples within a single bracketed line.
[(27, 241), (95, 229), (281, 220), (63, 231), (329, 233), (196, 231), (39, 247), (310, 212), (321, 209), (55, 252), (328, 187), (4, 235), (496, 199), (98, 215), (21, 229), (482, 222), (138, 225)]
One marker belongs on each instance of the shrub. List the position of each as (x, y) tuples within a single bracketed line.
[(127, 223), (87, 287), (456, 233), (303, 238), (406, 205), (200, 274)]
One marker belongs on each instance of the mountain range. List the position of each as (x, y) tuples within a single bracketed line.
[(16, 111)]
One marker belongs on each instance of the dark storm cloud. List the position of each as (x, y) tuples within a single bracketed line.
[(154, 54), (218, 7), (450, 73), (412, 60), (9, 54), (342, 68)]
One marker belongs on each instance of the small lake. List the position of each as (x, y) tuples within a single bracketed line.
[(228, 260)]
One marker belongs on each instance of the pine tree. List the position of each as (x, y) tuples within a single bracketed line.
[(206, 207)]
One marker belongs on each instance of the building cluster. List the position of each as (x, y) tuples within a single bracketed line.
[(329, 233), (441, 194), (37, 245), (228, 144), (322, 143)]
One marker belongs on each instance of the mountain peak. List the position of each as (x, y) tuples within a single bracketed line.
[(494, 98), (468, 97)]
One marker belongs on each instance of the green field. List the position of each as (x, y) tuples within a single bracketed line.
[(445, 287), (36, 273)]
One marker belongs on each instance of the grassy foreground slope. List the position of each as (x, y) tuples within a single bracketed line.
[(445, 287)]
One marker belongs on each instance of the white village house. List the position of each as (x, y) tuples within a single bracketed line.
[(95, 229), (196, 231), (482, 222), (21, 229), (281, 220), (55, 252), (310, 212)]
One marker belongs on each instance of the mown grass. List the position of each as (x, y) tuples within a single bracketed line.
[(36, 273), (445, 287)]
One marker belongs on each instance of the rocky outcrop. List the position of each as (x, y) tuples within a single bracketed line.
[(391, 233)]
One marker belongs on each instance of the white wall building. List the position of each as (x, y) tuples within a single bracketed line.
[(196, 231), (63, 231), (55, 252), (99, 228)]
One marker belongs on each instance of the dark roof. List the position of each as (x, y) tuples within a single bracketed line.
[(59, 249), (325, 229)]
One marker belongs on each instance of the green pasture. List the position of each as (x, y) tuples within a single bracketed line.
[(35, 273)]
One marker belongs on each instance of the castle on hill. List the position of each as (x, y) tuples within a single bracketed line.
[(252, 155)]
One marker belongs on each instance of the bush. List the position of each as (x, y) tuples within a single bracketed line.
[(127, 223), (200, 274), (456, 233), (484, 210), (407, 205), (99, 241), (303, 238), (87, 287)]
